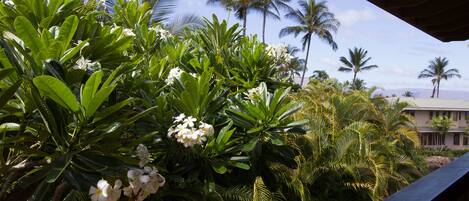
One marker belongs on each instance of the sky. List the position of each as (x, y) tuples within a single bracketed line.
[(400, 50)]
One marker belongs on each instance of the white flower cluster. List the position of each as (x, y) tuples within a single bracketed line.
[(174, 74), (128, 32), (187, 134), (254, 93), (9, 3), (142, 182), (280, 53), (85, 64), (125, 32), (162, 33)]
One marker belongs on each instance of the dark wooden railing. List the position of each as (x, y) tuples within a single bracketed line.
[(449, 183)]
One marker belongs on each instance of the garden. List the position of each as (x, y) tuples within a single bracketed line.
[(111, 103)]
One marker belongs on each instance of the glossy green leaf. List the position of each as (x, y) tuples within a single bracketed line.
[(67, 31), (112, 109), (98, 100), (90, 88), (57, 91), (26, 31)]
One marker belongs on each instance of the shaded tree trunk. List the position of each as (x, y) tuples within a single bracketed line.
[(433, 93), (306, 62), (245, 20), (354, 79), (263, 24), (438, 89)]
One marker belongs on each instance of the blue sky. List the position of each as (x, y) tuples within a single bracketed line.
[(400, 50)]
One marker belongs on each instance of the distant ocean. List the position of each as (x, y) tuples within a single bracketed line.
[(425, 93)]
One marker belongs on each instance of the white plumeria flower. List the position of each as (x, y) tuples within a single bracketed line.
[(206, 128), (143, 182), (173, 75), (101, 191), (9, 3), (102, 3), (179, 118), (189, 121), (115, 192), (128, 32), (143, 155), (254, 93), (161, 33), (85, 64)]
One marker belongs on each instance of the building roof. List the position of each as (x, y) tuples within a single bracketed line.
[(434, 104), (444, 20)]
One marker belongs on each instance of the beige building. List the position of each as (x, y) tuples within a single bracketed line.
[(424, 109)]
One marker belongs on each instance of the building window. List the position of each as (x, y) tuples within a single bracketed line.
[(459, 114), (464, 140), (432, 139), (455, 116), (431, 115), (456, 137)]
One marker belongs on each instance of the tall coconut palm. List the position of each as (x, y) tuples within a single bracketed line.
[(270, 8), (313, 18), (241, 7), (437, 71), (356, 63)]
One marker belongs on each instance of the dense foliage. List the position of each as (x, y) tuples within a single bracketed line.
[(106, 103)]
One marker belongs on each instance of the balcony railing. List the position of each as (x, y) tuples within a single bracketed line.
[(449, 183)]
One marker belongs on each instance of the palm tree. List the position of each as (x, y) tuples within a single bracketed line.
[(320, 75), (313, 18), (408, 94), (240, 6), (437, 70), (356, 63), (270, 8)]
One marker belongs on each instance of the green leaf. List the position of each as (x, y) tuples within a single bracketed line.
[(90, 88), (67, 30), (220, 169), (243, 166), (98, 100), (70, 53), (250, 145), (57, 91), (6, 95), (6, 127), (112, 109), (26, 31), (5, 72), (59, 167)]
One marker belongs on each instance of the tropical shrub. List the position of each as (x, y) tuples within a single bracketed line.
[(357, 147), (101, 100), (106, 104), (442, 124)]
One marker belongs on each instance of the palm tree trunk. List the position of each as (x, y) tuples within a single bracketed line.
[(306, 61), (245, 20), (433, 93), (354, 78), (438, 89), (263, 24)]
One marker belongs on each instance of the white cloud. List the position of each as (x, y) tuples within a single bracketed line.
[(352, 16)]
